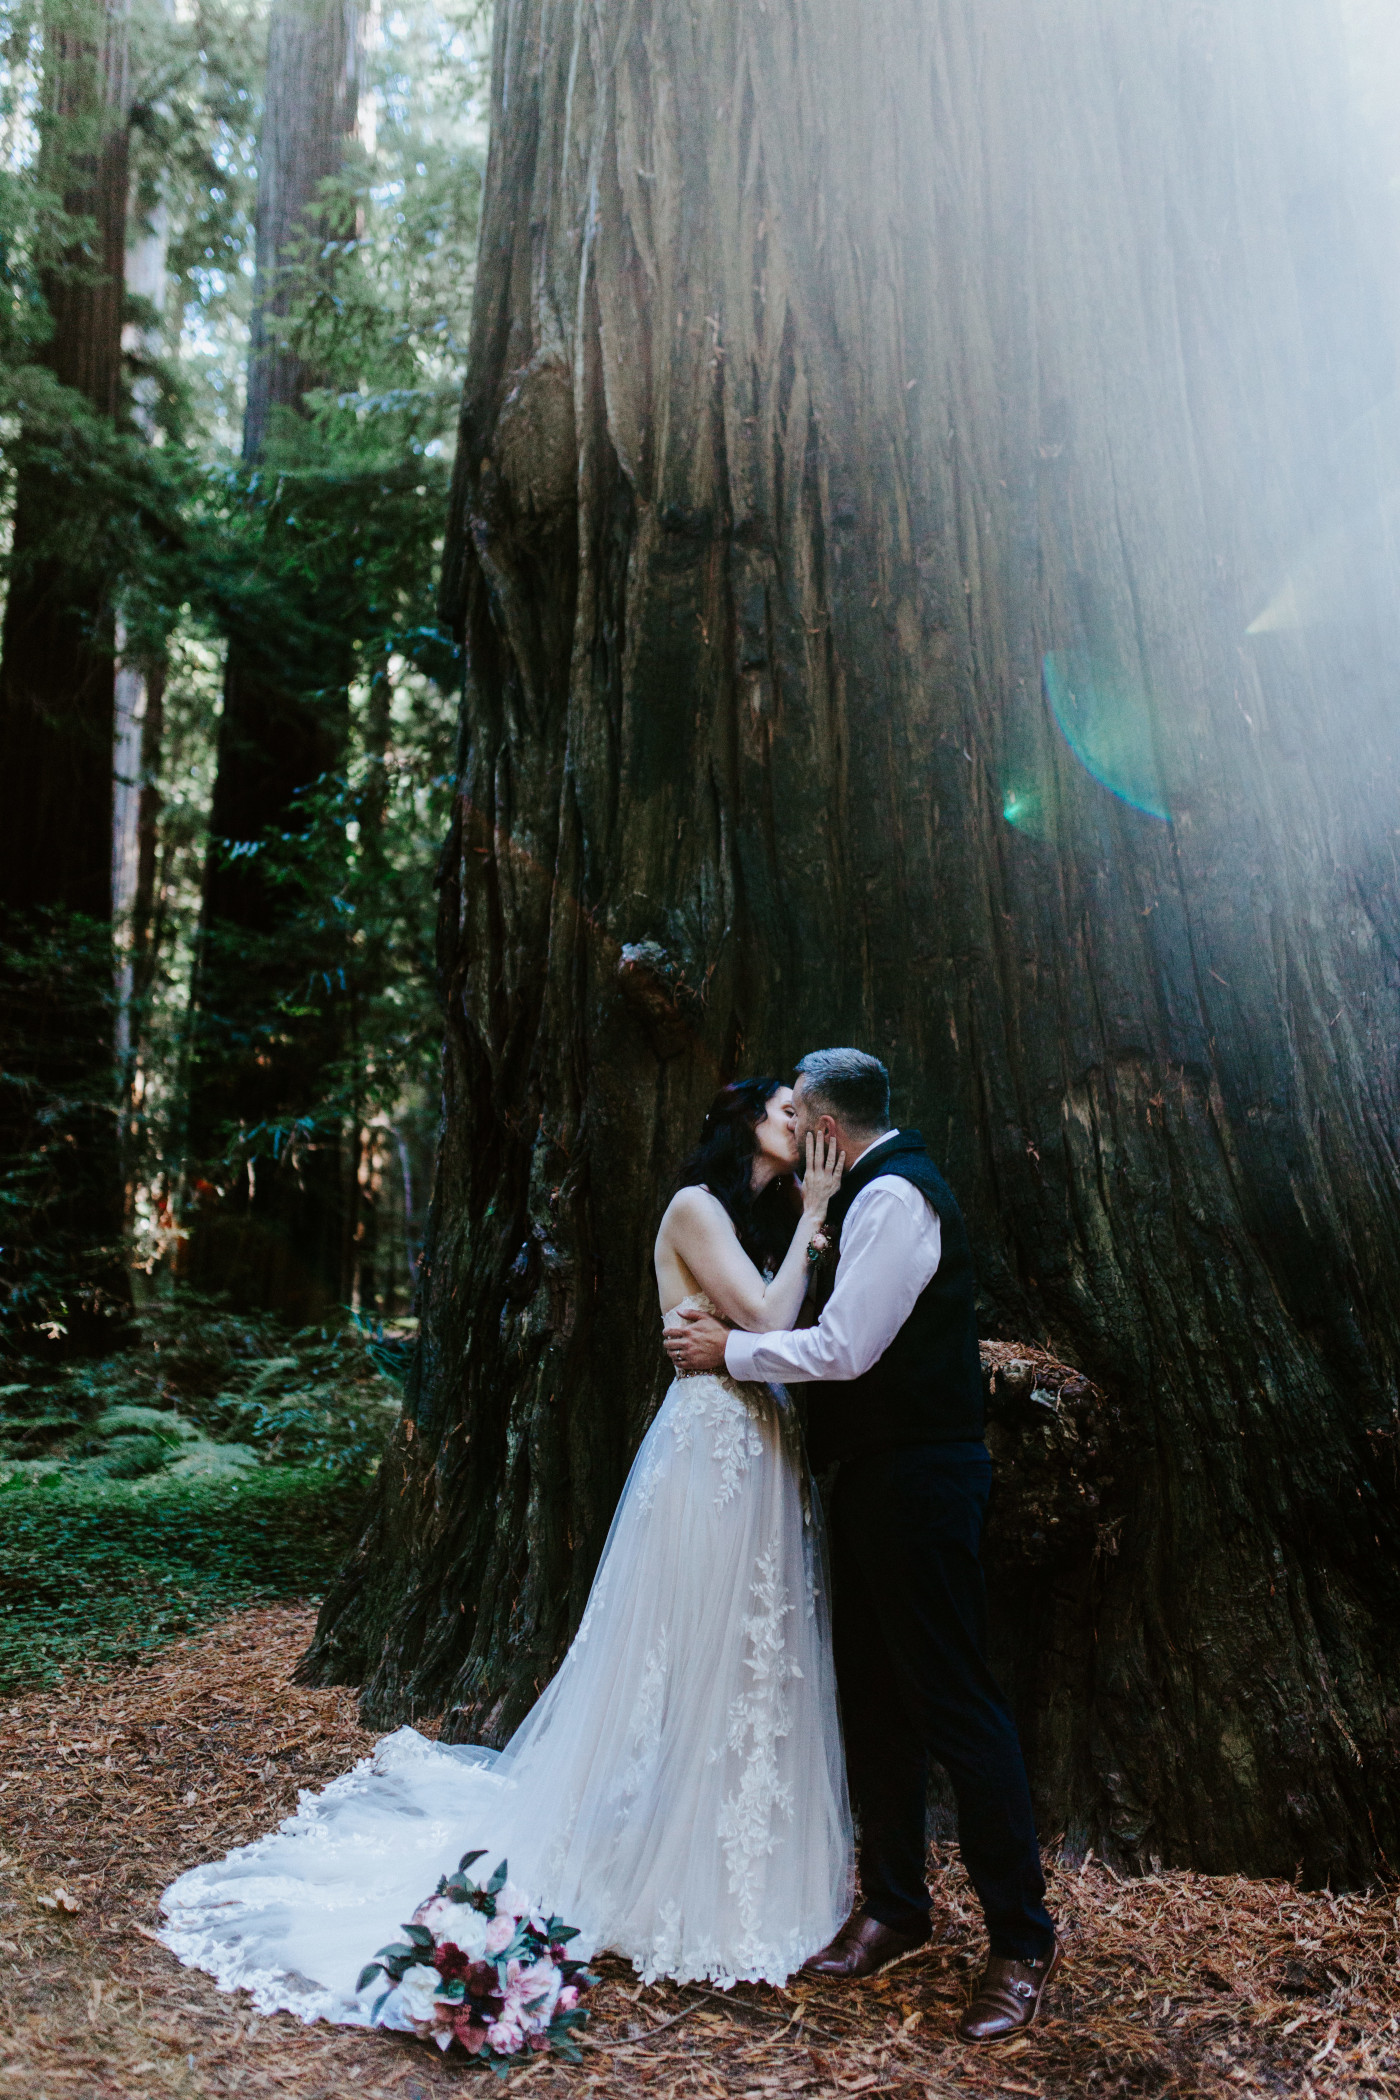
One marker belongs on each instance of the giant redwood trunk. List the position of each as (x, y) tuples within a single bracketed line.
[(920, 536), (271, 1223)]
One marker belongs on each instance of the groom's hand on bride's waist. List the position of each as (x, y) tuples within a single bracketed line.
[(697, 1343)]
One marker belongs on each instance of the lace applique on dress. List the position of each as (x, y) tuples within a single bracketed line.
[(731, 1414), (648, 1712), (758, 1720)]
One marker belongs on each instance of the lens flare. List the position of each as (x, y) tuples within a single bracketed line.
[(1106, 719), (1021, 807)]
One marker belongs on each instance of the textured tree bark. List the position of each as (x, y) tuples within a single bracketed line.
[(896, 468), (311, 110), (276, 1237), (56, 667), (58, 1121)]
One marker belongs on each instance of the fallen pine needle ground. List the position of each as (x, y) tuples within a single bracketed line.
[(1177, 1984)]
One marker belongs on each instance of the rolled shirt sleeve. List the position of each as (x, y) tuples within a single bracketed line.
[(890, 1249)]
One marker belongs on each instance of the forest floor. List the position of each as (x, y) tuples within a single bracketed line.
[(1175, 1984)]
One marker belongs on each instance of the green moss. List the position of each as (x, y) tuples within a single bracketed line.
[(94, 1572)]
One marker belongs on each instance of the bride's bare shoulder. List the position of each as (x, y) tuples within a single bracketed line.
[(692, 1209)]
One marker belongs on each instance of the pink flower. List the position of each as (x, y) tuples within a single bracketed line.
[(503, 2037), (538, 1983), (568, 1998), (512, 1900), (499, 1934)]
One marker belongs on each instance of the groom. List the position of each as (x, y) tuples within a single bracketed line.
[(895, 1395)]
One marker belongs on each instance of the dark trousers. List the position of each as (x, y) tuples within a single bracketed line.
[(909, 1617)]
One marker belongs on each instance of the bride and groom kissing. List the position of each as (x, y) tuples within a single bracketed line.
[(683, 1788)]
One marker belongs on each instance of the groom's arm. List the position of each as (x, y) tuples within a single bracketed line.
[(890, 1250)]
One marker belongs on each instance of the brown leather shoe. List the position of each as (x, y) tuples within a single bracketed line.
[(1008, 1997), (863, 1947)]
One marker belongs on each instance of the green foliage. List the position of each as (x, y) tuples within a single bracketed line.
[(201, 1392), (318, 563), (216, 1460), (98, 1574), (61, 1267)]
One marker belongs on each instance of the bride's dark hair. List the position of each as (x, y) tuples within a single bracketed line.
[(723, 1161)]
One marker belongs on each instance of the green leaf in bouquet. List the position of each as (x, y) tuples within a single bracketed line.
[(498, 1880), (557, 1931), (458, 1886), (453, 1993), (469, 1858), (379, 2004), (397, 1958), (366, 1975), (500, 2065), (420, 1935)]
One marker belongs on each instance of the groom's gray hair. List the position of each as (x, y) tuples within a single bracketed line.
[(851, 1085)]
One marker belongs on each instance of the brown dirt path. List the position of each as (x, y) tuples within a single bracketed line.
[(1177, 1984)]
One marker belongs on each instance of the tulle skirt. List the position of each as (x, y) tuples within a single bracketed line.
[(678, 1792)]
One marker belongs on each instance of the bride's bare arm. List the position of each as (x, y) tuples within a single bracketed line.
[(699, 1229)]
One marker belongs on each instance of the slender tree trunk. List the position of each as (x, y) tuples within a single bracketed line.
[(901, 479), (314, 53), (140, 681), (140, 715), (277, 1236)]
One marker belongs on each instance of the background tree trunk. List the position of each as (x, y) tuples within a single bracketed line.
[(56, 659), (919, 535), (58, 1121), (277, 1236)]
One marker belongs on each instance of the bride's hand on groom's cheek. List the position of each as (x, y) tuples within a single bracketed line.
[(697, 1343)]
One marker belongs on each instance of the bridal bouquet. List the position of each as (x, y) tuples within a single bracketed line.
[(479, 1966)]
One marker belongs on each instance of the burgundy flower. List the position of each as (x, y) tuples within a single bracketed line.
[(451, 1963)]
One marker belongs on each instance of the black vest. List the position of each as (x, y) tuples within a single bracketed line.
[(927, 1387)]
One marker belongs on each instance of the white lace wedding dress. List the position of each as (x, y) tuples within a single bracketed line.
[(678, 1792)]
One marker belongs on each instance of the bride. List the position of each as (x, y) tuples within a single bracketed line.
[(678, 1792)]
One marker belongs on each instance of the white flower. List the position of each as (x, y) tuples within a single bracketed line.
[(460, 1925), (418, 1987), (499, 1934), (434, 1913), (512, 1901)]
